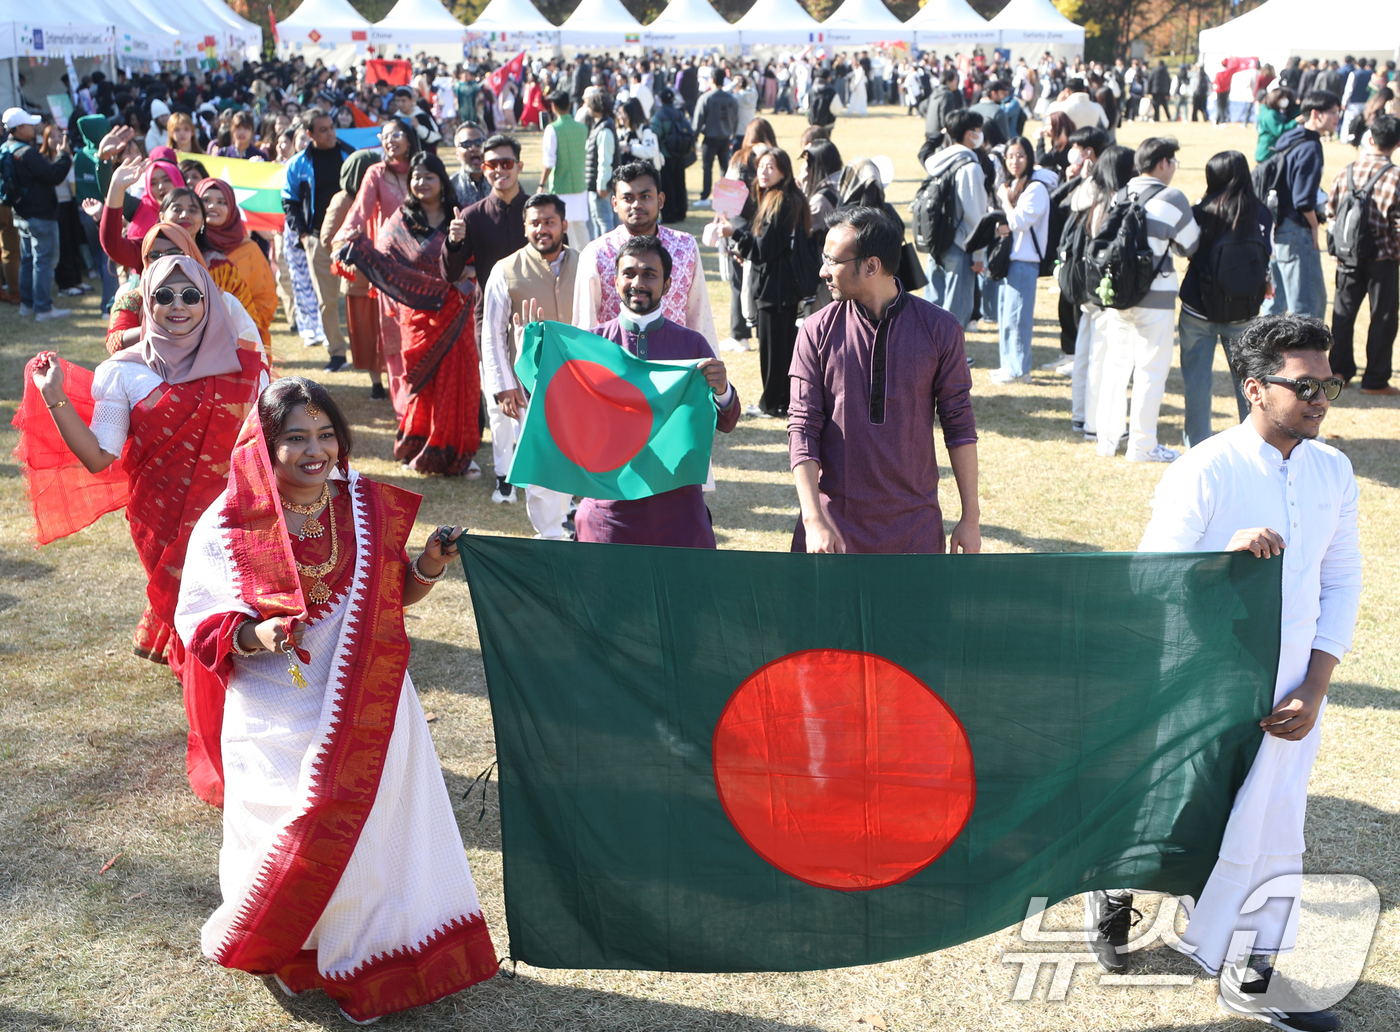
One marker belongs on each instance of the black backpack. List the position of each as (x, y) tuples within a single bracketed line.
[(1350, 238), (1234, 273), (805, 264), (935, 208), (1059, 218), (1071, 270), (1267, 176), (10, 189), (1119, 263)]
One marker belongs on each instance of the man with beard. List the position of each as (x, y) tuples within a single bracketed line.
[(536, 282), (637, 200), (677, 518), (1266, 486)]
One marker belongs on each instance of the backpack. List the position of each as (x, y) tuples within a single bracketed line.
[(678, 143), (10, 191), (805, 264), (1071, 269), (1234, 273), (935, 208), (1059, 218), (1350, 238), (1268, 175), (1119, 263)]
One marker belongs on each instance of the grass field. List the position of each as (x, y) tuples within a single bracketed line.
[(92, 739)]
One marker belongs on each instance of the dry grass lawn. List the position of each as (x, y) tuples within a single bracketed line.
[(92, 739)]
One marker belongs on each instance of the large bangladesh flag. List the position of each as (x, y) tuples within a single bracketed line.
[(257, 185), (603, 423), (739, 761)]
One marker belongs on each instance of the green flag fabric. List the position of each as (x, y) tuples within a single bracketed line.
[(739, 761), (603, 423)]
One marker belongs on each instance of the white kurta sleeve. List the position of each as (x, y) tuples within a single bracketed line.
[(697, 307), (1340, 580), (497, 375), (588, 290), (111, 411), (247, 329), (549, 148), (1181, 511)]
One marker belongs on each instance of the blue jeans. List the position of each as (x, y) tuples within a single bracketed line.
[(950, 283), (100, 259), (601, 217), (1016, 316), (1296, 271), (38, 254), (1198, 337)]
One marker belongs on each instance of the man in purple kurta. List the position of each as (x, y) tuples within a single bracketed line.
[(677, 518), (870, 373)]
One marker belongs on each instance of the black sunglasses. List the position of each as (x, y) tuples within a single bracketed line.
[(1307, 388), (166, 295)]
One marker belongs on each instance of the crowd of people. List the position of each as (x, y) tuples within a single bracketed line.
[(268, 554)]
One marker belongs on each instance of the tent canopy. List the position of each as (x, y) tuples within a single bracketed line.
[(324, 22), (507, 23), (1280, 29), (692, 23), (418, 21), (863, 21), (603, 23), (1035, 21), (778, 22), (949, 21)]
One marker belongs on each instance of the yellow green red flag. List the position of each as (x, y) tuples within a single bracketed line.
[(256, 184)]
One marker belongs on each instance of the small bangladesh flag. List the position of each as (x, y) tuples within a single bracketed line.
[(257, 185), (603, 423), (751, 761)]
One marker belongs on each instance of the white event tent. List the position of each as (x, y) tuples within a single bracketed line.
[(508, 24), (332, 29), (949, 23), (863, 21), (1280, 29), (778, 22), (600, 23), (414, 22), (1028, 28), (689, 23)]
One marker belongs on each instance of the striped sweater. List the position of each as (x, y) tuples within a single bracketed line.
[(1169, 224)]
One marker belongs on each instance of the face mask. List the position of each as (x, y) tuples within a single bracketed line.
[(975, 140), (1075, 155)]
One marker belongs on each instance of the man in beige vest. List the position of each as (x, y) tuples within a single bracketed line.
[(536, 282)]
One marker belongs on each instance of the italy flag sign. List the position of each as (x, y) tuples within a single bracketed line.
[(743, 761), (256, 184)]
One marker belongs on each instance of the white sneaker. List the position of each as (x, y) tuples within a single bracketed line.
[(26, 309), (473, 471), (733, 344), (1006, 376), (1050, 367), (972, 326), (53, 313), (1065, 368), (72, 292), (1161, 453), (752, 410), (506, 497), (704, 202)]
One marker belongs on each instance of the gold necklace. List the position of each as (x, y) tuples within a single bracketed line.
[(311, 528), (320, 592)]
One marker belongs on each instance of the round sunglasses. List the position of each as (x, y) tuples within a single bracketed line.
[(166, 296), (1306, 389)]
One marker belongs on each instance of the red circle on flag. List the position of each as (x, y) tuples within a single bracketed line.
[(843, 769), (598, 419)]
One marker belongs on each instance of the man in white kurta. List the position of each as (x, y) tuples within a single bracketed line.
[(1269, 486)]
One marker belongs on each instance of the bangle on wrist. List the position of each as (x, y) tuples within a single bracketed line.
[(423, 578), (238, 649), (57, 404)]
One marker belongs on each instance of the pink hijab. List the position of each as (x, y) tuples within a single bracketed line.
[(209, 349), (148, 214)]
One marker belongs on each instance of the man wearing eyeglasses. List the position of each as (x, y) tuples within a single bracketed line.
[(469, 184), (1267, 486)]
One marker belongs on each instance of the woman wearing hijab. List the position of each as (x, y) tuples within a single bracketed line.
[(382, 193), (418, 260), (361, 310), (124, 328), (224, 229), (159, 178), (170, 408), (342, 868)]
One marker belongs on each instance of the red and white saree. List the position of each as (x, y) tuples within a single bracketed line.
[(342, 867)]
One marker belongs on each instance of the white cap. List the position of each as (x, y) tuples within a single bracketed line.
[(159, 108), (18, 116)]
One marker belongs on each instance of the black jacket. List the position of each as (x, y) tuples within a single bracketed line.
[(942, 102), (37, 178), (819, 106), (770, 249), (1159, 82)]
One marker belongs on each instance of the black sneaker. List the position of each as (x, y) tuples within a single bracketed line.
[(1110, 917), (333, 366), (377, 392), (1244, 1001)]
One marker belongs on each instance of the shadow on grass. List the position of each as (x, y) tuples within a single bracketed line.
[(1363, 696), (15, 1020), (517, 1004), (439, 665), (1008, 536), (1374, 459)]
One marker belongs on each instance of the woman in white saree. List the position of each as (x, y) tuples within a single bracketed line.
[(342, 867)]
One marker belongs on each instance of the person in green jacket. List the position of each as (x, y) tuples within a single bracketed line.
[(91, 176), (1277, 114)]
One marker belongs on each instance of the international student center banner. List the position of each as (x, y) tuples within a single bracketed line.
[(738, 761)]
